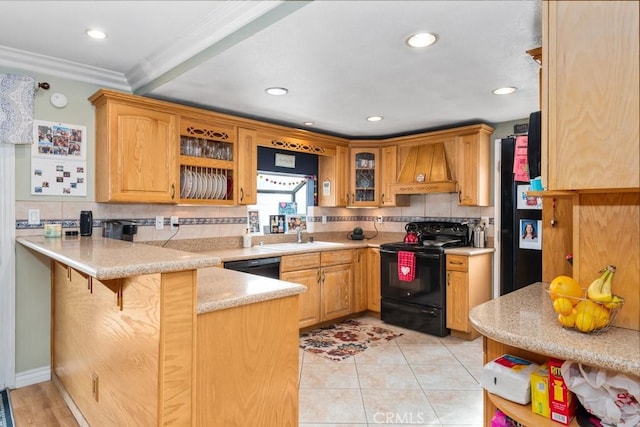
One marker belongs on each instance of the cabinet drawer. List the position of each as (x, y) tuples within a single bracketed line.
[(299, 262), (338, 257), (457, 262)]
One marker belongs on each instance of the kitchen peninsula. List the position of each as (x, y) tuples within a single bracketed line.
[(524, 324), (147, 335)]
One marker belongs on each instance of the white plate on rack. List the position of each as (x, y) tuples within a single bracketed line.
[(188, 186), (216, 194), (183, 182), (210, 188), (203, 185), (221, 186), (223, 181)]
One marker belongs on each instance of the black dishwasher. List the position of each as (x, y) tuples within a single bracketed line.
[(267, 267)]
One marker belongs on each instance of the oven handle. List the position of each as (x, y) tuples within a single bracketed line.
[(430, 312), (418, 254)]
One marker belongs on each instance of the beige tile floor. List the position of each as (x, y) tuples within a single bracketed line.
[(416, 379)]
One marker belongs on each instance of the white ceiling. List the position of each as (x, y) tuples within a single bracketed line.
[(341, 60)]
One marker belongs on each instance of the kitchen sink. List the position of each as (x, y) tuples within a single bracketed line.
[(296, 246)]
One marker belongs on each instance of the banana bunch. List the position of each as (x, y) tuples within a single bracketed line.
[(600, 289)]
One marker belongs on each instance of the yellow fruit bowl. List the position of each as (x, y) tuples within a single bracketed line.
[(583, 314)]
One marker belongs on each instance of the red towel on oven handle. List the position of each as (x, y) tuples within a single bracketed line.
[(406, 266)]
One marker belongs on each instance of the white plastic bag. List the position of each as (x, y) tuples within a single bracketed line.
[(613, 397)]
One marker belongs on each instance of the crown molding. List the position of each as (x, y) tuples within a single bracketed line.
[(48, 65)]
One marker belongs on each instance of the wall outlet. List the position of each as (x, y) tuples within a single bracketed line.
[(484, 220), (159, 222), (324, 219), (379, 220), (174, 222), (34, 216)]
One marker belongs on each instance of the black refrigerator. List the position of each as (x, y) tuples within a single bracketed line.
[(520, 247)]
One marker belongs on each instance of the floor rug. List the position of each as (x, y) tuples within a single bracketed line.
[(6, 417), (346, 339)]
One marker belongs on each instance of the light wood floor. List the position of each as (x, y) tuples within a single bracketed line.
[(40, 405)]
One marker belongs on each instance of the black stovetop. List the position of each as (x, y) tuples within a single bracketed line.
[(433, 236)]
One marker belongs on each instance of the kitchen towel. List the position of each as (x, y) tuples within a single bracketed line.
[(406, 266), (16, 109), (520, 159)]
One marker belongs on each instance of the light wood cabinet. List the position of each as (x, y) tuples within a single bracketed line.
[(388, 176), (468, 284), (333, 173), (329, 277), (473, 169), (304, 269), (365, 177), (124, 348), (136, 151), (247, 169), (207, 153), (361, 269), (373, 280), (591, 95)]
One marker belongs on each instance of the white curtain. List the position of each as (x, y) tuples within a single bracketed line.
[(16, 108)]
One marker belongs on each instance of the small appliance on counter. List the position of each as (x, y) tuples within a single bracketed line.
[(357, 234), (120, 229), (86, 223)]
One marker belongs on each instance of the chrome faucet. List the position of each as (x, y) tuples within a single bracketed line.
[(299, 230)]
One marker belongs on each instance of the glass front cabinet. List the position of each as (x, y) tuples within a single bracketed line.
[(365, 178)]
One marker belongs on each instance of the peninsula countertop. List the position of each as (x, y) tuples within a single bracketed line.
[(106, 259), (525, 319)]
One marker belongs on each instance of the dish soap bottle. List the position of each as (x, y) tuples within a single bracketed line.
[(246, 239)]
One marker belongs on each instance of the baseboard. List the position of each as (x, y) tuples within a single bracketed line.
[(33, 376)]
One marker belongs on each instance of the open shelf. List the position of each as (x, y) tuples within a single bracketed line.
[(523, 413)]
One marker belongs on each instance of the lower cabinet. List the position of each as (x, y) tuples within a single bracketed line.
[(329, 278), (373, 280), (468, 284)]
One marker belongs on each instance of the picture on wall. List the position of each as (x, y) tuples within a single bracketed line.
[(58, 159), (254, 221), (295, 222), (531, 234)]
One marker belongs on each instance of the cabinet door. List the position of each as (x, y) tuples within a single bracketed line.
[(336, 282), (247, 170), (388, 176), (308, 302), (591, 79), (365, 178), (373, 282), (473, 169), (360, 282), (136, 152), (334, 178), (457, 301)]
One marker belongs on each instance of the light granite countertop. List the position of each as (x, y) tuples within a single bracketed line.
[(525, 319), (106, 259), (469, 251), (219, 289)]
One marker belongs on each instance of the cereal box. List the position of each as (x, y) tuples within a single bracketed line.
[(540, 391), (562, 402)]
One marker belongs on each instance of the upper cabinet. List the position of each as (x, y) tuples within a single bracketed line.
[(365, 177), (388, 175), (590, 104), (333, 178), (136, 151), (207, 153), (473, 169), (247, 184)]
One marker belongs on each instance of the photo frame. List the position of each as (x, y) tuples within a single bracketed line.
[(276, 224), (527, 202), (530, 234), (253, 219), (296, 221)]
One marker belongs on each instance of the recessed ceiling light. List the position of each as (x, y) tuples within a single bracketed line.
[(374, 118), (309, 123), (422, 39), (96, 34), (504, 90), (277, 91)]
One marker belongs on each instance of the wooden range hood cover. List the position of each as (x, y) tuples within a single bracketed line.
[(429, 163)]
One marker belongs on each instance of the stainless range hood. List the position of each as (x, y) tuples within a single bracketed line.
[(425, 170)]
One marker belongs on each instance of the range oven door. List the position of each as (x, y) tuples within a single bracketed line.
[(428, 287)]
